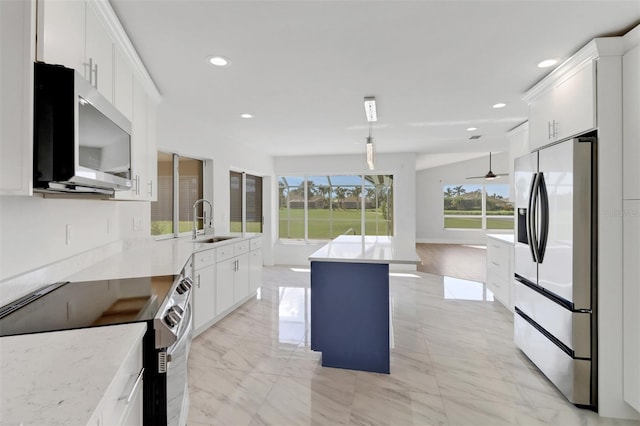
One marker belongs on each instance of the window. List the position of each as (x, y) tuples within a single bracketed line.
[(477, 206), (180, 184), (323, 207), (245, 202)]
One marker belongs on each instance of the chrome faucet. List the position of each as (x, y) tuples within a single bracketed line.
[(205, 225)]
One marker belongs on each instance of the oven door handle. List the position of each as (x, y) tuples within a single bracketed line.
[(135, 386), (184, 335)]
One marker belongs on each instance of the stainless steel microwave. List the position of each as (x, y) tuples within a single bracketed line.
[(82, 143)]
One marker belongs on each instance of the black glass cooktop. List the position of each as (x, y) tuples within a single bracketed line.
[(64, 306)]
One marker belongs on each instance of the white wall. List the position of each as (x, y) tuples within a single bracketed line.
[(429, 199), (33, 233), (179, 133), (402, 166)]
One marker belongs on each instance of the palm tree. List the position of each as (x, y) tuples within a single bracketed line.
[(341, 194), (459, 190)]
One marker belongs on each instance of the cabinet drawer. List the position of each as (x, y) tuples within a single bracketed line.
[(241, 248), (204, 258), (256, 243), (497, 250), (124, 385), (225, 252)]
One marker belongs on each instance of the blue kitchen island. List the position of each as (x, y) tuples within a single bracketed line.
[(350, 300)]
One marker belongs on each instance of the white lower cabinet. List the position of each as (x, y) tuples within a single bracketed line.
[(225, 280), (255, 270), (122, 404), (500, 270), (204, 289), (631, 292), (225, 274), (232, 275)]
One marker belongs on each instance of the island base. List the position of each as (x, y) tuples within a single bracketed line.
[(350, 315)]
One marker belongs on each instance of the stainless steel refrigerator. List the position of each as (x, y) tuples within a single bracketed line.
[(555, 320)]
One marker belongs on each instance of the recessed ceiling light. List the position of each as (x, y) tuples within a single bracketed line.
[(219, 61), (499, 105), (547, 63), (471, 129), (246, 116)]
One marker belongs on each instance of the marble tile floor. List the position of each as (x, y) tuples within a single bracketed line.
[(453, 362)]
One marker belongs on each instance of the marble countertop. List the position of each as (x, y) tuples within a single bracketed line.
[(508, 238), (367, 249), (59, 378), (151, 257)]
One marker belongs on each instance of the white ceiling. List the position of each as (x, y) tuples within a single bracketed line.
[(302, 67)]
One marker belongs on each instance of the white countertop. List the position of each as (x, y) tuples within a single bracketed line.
[(59, 378), (163, 257), (507, 238), (366, 249)]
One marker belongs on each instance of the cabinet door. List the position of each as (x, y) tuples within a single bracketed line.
[(99, 53), (225, 274), (152, 152), (631, 123), (122, 84), (16, 87), (204, 296), (498, 270), (138, 146), (61, 34), (255, 270), (241, 280), (631, 290), (575, 103), (566, 109)]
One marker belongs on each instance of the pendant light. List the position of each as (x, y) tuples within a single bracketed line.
[(370, 111)]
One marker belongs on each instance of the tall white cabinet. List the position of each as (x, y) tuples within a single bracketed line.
[(586, 93), (631, 217), (17, 47)]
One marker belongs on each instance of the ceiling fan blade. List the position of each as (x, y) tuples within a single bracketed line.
[(474, 177)]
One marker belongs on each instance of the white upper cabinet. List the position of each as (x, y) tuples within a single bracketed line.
[(152, 152), (17, 41), (138, 190), (122, 83), (98, 54), (86, 35), (631, 123), (566, 107), (61, 34), (71, 34)]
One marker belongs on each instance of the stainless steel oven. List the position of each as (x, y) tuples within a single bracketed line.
[(163, 302), (177, 379)]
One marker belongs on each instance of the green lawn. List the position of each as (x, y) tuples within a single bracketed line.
[(325, 224), (476, 223)]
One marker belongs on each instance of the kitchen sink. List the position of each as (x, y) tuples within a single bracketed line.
[(213, 240)]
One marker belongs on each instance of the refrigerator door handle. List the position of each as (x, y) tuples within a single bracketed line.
[(544, 216), (532, 231)]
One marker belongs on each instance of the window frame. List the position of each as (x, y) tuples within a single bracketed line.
[(176, 194), (483, 216), (305, 186), (243, 201)]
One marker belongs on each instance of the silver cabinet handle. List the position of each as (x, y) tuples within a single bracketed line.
[(95, 83), (549, 125), (91, 71), (136, 385), (151, 187), (198, 280)]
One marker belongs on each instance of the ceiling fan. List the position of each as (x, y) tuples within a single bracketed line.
[(490, 175)]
